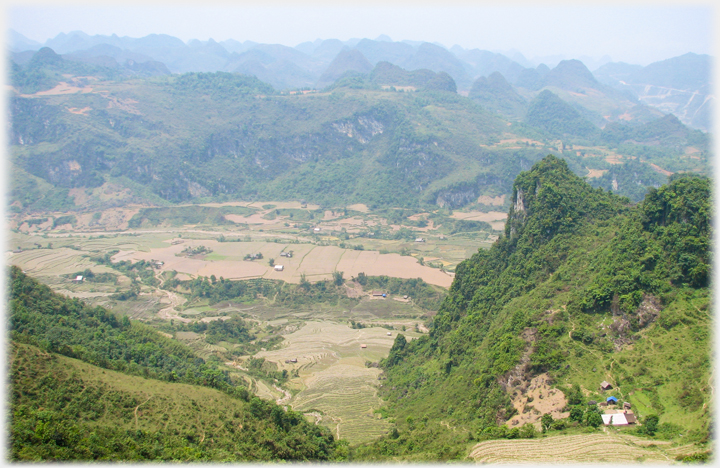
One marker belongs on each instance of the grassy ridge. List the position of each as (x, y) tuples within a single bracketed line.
[(65, 409)]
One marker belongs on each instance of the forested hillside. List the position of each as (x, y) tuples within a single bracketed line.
[(387, 137), (582, 288), (86, 385)]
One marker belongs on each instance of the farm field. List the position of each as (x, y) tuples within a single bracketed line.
[(351, 240), (333, 381), (585, 448)]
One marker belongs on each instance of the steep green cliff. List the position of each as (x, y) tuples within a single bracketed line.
[(582, 288)]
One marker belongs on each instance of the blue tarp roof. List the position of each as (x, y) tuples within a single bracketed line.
[(612, 398)]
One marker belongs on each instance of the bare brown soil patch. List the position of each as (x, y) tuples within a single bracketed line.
[(493, 201), (480, 216), (361, 207), (75, 110), (280, 205), (661, 170), (329, 214), (613, 159), (593, 173), (535, 400), (128, 105), (255, 218), (61, 88)]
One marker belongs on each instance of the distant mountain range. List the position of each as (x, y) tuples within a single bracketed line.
[(680, 85)]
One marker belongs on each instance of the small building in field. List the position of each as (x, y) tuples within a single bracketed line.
[(618, 419), (378, 294), (389, 333), (627, 405), (78, 279), (279, 268), (631, 418), (317, 229), (605, 385), (363, 346), (419, 239), (592, 402), (611, 400)]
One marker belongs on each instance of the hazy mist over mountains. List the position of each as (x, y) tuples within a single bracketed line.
[(680, 85), (76, 40)]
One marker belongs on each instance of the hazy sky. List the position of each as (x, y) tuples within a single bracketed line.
[(639, 33)]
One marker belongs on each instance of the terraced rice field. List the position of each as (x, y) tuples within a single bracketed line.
[(54, 262), (346, 396), (586, 448), (333, 377)]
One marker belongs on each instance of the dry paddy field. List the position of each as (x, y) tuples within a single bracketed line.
[(571, 449), (496, 219), (334, 381), (315, 262), (49, 262)]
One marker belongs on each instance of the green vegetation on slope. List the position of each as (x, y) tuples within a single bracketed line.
[(69, 327), (580, 282), (63, 409)]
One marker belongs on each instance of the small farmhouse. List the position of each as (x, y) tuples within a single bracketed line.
[(363, 346), (614, 419), (78, 279), (605, 385), (279, 268)]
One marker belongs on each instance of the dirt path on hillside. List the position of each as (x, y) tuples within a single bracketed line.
[(283, 400), (136, 411)]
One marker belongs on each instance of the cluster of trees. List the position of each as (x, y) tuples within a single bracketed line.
[(89, 275), (219, 289), (423, 294)]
